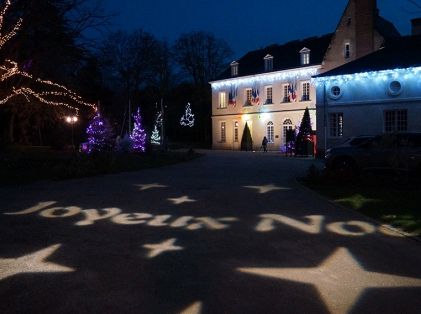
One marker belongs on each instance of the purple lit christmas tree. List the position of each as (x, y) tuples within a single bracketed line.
[(138, 135), (100, 135)]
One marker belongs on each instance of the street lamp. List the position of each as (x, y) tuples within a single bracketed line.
[(72, 120)]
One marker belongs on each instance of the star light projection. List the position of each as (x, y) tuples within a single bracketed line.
[(262, 189), (44, 91), (159, 248), (181, 200), (340, 279), (143, 187), (32, 263)]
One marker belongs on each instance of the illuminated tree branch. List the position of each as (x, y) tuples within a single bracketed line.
[(50, 92)]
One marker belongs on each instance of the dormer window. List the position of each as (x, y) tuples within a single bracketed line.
[(347, 50), (268, 63), (305, 56), (234, 68)]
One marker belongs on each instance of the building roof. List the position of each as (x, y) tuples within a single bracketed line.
[(286, 56), (386, 28), (402, 52)]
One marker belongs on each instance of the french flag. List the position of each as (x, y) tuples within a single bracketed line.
[(232, 96), (292, 93), (255, 100)]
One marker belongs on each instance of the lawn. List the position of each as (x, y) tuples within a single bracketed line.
[(31, 165), (384, 199)]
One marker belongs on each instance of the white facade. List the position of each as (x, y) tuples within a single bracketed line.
[(367, 104), (276, 111)]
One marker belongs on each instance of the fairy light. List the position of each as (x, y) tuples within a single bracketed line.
[(383, 75), (188, 118), (138, 135), (11, 69), (266, 77), (15, 29)]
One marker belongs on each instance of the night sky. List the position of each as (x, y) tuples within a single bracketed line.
[(246, 24)]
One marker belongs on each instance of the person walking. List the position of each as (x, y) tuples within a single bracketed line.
[(265, 144)]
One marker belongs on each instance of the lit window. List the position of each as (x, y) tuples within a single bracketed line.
[(305, 56), (236, 131), (223, 132), (248, 97), (268, 63), (347, 50), (269, 93), (234, 68), (395, 121), (223, 101), (286, 126), (269, 133), (395, 88), (286, 93), (335, 92), (306, 91), (336, 124)]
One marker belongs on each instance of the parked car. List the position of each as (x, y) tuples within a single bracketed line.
[(356, 140), (400, 152)]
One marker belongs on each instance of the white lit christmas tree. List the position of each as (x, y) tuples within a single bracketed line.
[(188, 118), (155, 137), (138, 135), (100, 135), (16, 81)]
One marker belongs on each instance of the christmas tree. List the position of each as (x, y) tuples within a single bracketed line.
[(188, 118), (100, 135), (138, 135), (246, 140), (303, 142), (155, 137)]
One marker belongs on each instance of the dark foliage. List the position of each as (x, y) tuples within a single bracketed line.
[(246, 140)]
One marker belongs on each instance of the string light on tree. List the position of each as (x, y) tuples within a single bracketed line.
[(188, 118), (100, 135), (158, 120), (155, 137), (138, 135), (44, 91)]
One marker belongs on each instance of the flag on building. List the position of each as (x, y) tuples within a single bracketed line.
[(292, 92), (255, 100), (232, 96)]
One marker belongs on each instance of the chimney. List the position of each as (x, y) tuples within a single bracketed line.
[(365, 19), (416, 26)]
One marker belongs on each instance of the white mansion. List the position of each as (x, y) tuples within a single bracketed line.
[(269, 89), (271, 101)]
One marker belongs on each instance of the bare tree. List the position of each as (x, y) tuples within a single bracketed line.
[(129, 58), (201, 55)]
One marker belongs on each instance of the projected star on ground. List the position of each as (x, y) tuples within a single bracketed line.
[(31, 263), (143, 187), (266, 188), (181, 200), (195, 308), (340, 279), (159, 248)]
